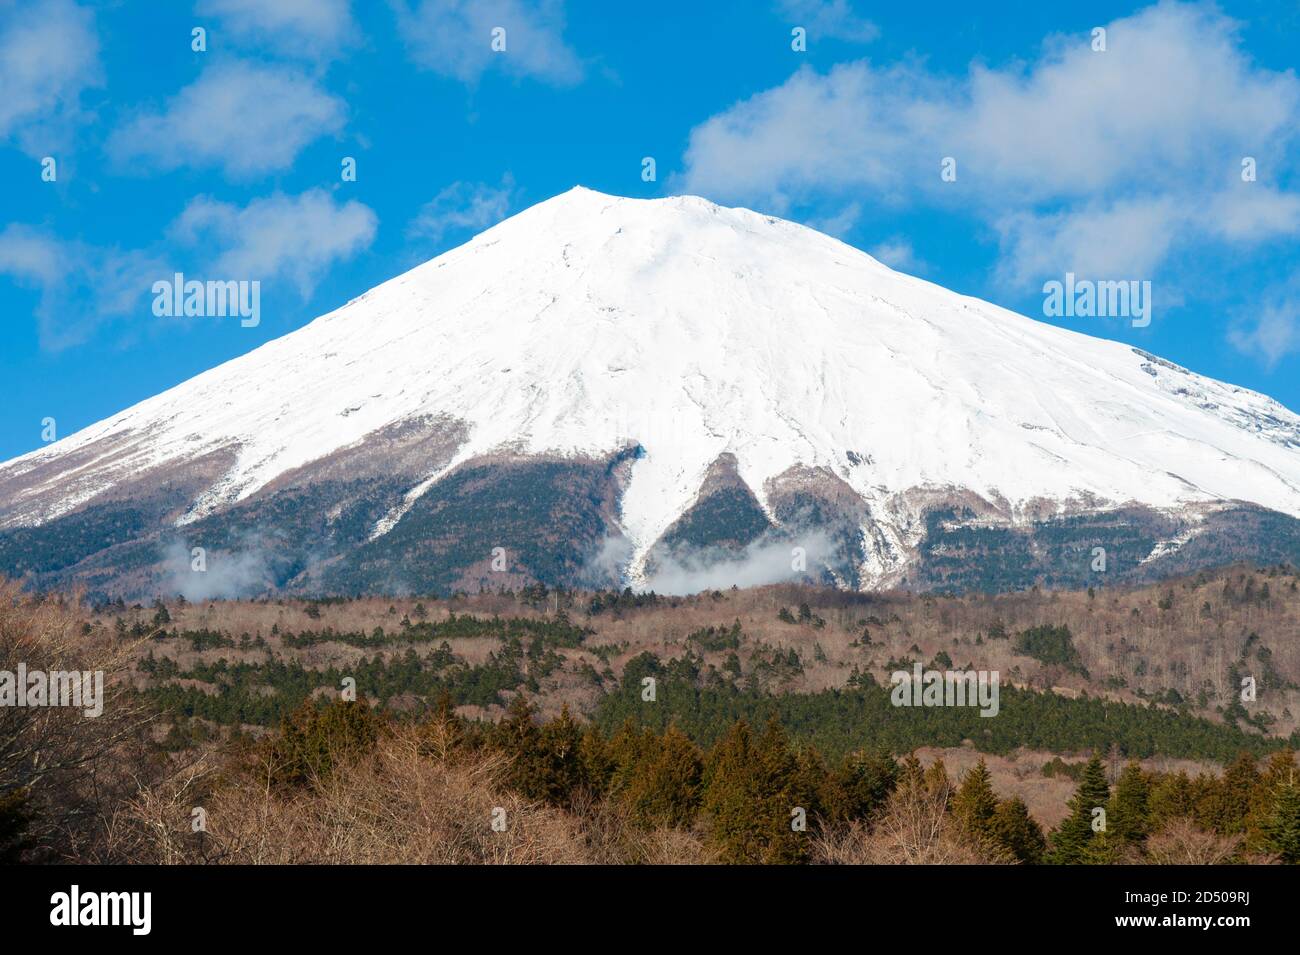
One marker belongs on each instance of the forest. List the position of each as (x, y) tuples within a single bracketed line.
[(614, 727)]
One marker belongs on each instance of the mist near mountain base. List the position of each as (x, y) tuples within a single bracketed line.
[(769, 559), (225, 574)]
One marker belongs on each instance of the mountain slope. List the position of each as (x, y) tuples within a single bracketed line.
[(641, 343)]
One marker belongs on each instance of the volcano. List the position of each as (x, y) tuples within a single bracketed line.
[(666, 393)]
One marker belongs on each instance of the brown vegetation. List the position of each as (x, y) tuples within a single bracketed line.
[(342, 783), (1188, 640), (56, 764)]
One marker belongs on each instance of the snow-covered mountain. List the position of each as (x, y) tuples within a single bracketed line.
[(621, 386)]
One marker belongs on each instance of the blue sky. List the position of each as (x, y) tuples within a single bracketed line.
[(1122, 163)]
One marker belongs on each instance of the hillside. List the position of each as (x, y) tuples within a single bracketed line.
[(1177, 652), (395, 731), (670, 394)]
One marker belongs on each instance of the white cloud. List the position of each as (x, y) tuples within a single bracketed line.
[(31, 255), (49, 55), (1127, 239), (839, 222), (1272, 332), (298, 237), (829, 18), (1253, 212), (228, 574), (454, 38), (81, 286), (311, 29), (852, 128), (1172, 98), (898, 254), (462, 206), (762, 561), (242, 117), (1100, 161)]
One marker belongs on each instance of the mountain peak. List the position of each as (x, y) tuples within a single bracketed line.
[(655, 336), (590, 200)]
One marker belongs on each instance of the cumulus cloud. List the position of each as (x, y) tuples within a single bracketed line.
[(312, 29), (851, 128), (81, 286), (1271, 332), (1252, 212), (1140, 146), (454, 38), (835, 19), (49, 55), (1173, 79), (462, 207), (294, 236), (1128, 238), (244, 118)]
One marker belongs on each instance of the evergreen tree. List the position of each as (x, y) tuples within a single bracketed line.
[(561, 763), (1128, 815), (863, 785), (317, 737), (517, 736), (1281, 828), (752, 785), (1279, 770), (975, 803), (1103, 849), (598, 763), (1227, 801), (1172, 797), (936, 778), (1071, 839), (910, 771), (663, 788), (1014, 830), (160, 616)]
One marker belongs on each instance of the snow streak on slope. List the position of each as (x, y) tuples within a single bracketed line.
[(589, 322)]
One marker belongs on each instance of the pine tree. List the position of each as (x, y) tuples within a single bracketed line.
[(975, 803), (863, 785), (910, 771), (161, 617), (598, 762), (1277, 771), (1128, 815), (663, 788), (1103, 849), (517, 736), (1071, 839), (728, 797), (1227, 801), (560, 758), (1015, 831), (1172, 797), (936, 778), (1281, 829), (751, 787), (315, 738)]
